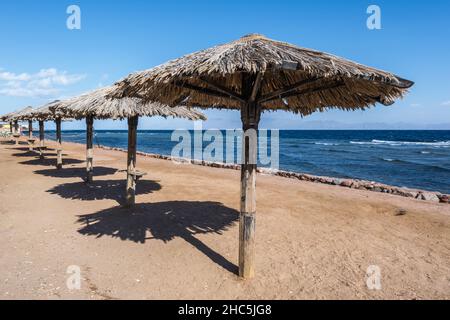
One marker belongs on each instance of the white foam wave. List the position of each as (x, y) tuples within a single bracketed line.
[(437, 144), (326, 144)]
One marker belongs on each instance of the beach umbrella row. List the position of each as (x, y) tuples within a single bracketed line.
[(99, 105), (41, 115), (6, 118), (255, 74), (26, 115), (13, 118)]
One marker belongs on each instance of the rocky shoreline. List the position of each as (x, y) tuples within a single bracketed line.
[(430, 196)]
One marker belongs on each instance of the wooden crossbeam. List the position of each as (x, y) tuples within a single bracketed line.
[(308, 91), (256, 86), (285, 90), (222, 89), (201, 90)]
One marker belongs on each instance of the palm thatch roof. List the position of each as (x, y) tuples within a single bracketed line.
[(17, 115), (287, 77), (100, 105), (49, 112), (5, 117)]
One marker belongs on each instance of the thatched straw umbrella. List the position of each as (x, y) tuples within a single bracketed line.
[(48, 113), (254, 74), (5, 118), (15, 117), (27, 115), (99, 105)]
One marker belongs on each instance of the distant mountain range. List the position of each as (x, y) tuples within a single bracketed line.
[(335, 125)]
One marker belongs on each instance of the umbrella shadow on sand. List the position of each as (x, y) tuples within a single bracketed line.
[(164, 221), (75, 172), (50, 162), (8, 142), (26, 149), (102, 190), (13, 142), (33, 154)]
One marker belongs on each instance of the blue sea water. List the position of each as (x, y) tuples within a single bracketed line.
[(415, 159)]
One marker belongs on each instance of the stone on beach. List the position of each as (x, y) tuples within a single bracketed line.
[(444, 198), (428, 196)]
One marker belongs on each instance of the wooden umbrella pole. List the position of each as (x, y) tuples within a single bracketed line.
[(89, 149), (30, 129), (17, 131), (41, 139), (248, 194), (250, 116), (30, 134), (59, 161), (12, 130), (131, 161)]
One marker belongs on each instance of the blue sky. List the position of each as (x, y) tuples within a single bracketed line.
[(40, 59)]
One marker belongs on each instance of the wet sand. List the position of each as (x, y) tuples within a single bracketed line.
[(181, 241)]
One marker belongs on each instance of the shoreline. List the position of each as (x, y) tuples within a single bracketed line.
[(359, 184)]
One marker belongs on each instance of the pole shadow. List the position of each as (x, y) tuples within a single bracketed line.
[(164, 221), (75, 172), (102, 190)]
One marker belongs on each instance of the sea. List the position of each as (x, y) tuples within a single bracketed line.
[(414, 159)]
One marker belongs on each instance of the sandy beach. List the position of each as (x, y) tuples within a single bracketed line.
[(313, 241)]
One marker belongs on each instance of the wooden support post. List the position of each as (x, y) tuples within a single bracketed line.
[(41, 139), (59, 161), (11, 130), (89, 149), (250, 116), (16, 131), (131, 161), (30, 134), (248, 195)]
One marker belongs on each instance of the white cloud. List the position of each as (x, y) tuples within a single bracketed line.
[(446, 103), (8, 76), (46, 82)]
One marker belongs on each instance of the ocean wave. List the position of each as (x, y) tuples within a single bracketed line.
[(73, 135), (423, 165), (438, 144), (326, 144)]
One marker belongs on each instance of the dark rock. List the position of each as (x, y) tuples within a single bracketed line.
[(444, 198)]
